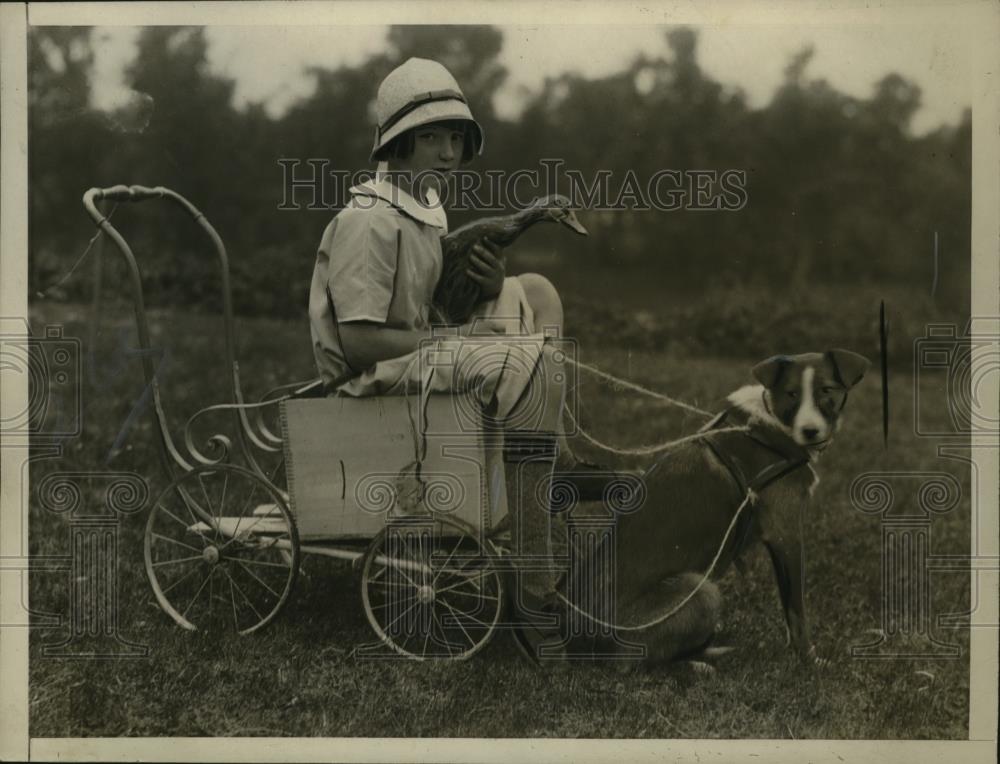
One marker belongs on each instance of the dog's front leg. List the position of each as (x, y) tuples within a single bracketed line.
[(790, 573), (782, 535)]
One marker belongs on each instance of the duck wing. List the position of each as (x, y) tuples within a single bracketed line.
[(456, 295)]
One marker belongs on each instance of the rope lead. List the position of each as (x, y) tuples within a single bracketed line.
[(750, 498), (618, 382)]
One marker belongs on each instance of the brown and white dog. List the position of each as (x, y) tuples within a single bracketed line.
[(693, 492)]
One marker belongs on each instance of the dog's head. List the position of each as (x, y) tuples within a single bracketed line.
[(807, 392)]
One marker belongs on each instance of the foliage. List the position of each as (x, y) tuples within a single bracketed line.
[(839, 189)]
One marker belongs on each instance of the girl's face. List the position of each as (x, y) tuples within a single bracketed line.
[(437, 151)]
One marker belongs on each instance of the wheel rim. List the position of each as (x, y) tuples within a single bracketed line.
[(221, 550), (430, 589)]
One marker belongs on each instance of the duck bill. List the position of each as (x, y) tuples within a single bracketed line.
[(570, 221)]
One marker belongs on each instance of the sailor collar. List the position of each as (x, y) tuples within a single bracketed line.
[(431, 213)]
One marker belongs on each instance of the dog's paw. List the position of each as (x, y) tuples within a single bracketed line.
[(625, 667), (716, 651), (811, 658), (700, 667)]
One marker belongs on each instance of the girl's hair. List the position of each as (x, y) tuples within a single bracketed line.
[(401, 147)]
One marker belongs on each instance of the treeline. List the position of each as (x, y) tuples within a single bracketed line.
[(836, 188)]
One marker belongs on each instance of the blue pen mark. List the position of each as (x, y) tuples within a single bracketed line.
[(162, 355), (934, 281), (883, 342), (497, 478)]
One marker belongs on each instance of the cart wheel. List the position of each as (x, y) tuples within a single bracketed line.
[(222, 550), (430, 588)]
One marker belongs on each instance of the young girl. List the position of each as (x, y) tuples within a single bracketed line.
[(371, 315), (380, 259)]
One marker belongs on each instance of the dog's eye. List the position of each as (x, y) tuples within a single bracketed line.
[(793, 394)]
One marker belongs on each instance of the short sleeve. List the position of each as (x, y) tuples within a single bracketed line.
[(363, 248)]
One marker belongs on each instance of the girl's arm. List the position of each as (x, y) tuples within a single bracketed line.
[(366, 343)]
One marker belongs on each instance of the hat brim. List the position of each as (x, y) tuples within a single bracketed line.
[(437, 111)]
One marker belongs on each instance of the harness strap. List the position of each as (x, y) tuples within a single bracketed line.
[(731, 465), (756, 484), (742, 531)]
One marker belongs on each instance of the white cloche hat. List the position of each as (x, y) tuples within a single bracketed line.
[(416, 93)]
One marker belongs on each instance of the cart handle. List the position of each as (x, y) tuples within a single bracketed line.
[(122, 193), (246, 435)]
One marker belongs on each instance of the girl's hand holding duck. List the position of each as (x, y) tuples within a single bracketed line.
[(488, 268)]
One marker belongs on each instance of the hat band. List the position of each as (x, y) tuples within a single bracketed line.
[(421, 100)]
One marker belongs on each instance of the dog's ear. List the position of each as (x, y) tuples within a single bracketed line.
[(769, 372), (848, 368)]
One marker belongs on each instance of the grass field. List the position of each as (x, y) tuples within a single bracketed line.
[(300, 676)]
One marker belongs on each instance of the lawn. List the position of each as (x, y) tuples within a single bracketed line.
[(301, 675)]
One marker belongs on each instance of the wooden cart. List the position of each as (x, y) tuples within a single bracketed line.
[(403, 488)]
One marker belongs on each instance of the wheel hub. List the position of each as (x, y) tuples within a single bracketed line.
[(210, 554), (425, 594)]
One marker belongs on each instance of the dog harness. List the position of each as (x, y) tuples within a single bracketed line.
[(787, 454), (737, 452), (740, 453)]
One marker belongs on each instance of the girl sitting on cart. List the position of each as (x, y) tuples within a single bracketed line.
[(371, 310)]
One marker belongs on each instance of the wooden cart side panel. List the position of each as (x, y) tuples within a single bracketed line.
[(344, 458)]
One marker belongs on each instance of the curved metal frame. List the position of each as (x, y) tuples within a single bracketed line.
[(265, 440)]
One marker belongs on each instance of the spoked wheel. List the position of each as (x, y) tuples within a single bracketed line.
[(430, 588), (222, 550)]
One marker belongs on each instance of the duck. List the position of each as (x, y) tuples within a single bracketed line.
[(456, 295)]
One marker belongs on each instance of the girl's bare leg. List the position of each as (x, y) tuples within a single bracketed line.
[(548, 309), (544, 301)]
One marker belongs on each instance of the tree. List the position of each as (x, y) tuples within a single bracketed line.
[(60, 121), (193, 145), (895, 101)]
